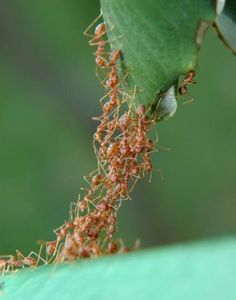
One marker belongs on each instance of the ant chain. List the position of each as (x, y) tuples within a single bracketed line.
[(123, 149)]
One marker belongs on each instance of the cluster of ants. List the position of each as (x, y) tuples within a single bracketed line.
[(123, 148)]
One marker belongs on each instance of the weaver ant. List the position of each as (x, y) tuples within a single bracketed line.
[(99, 31), (187, 80)]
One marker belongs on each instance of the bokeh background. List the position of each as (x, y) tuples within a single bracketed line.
[(48, 95)]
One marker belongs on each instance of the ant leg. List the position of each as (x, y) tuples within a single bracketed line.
[(163, 148), (104, 243), (3, 269), (58, 254), (110, 133), (99, 159), (91, 43), (97, 154), (104, 97), (100, 69), (5, 263), (137, 244), (74, 209), (110, 27), (38, 256), (160, 173), (19, 255), (21, 259), (157, 137), (91, 25), (86, 179), (128, 194), (11, 264), (55, 252), (150, 177), (188, 101), (134, 183)]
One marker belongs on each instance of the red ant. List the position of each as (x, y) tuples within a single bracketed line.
[(187, 80), (96, 39), (28, 260), (51, 248), (112, 80), (100, 61), (99, 31), (141, 130)]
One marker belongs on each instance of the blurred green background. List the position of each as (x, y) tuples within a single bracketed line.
[(49, 92)]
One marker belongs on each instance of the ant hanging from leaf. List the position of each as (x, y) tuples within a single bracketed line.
[(187, 80)]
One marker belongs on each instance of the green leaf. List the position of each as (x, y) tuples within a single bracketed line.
[(226, 25), (195, 271), (159, 41)]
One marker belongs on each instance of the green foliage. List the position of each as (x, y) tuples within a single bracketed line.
[(159, 41), (195, 271), (46, 134)]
